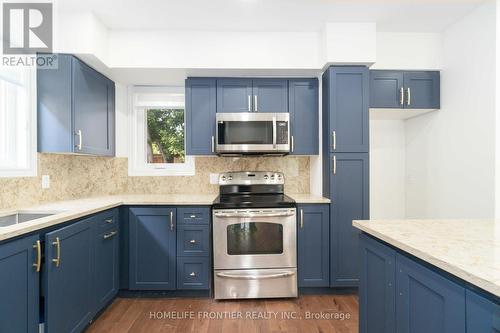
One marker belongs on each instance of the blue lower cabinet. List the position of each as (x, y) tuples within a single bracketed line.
[(19, 285), (193, 240), (483, 315), (193, 272), (152, 241), (193, 215), (377, 287), (313, 245), (426, 301), (68, 277), (106, 260)]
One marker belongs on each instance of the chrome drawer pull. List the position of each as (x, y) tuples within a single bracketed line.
[(192, 274), (111, 234), (109, 221), (192, 241), (192, 216)]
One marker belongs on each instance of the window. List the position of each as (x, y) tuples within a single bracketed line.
[(157, 127), (17, 121)]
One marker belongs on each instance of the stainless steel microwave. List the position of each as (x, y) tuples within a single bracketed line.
[(252, 133)]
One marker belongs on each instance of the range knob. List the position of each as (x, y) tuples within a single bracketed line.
[(266, 177), (230, 178), (272, 177), (223, 178)]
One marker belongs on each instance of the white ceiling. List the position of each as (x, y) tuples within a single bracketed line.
[(273, 15)]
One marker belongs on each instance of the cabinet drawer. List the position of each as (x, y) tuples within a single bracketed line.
[(193, 215), (192, 272), (193, 240), (107, 219)]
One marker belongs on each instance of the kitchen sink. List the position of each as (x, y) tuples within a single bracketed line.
[(23, 216)]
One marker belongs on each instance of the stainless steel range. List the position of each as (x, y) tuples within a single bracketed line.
[(254, 237)]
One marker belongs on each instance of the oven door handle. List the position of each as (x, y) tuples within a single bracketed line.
[(254, 214), (255, 277)]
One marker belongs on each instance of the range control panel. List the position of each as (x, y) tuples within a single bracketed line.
[(252, 178)]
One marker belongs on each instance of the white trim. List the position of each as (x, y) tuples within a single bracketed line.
[(137, 148), (31, 169)]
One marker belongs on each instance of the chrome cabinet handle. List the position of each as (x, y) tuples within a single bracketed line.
[(255, 103), (408, 90), (292, 144), (192, 274), (334, 140), (38, 263), (334, 164), (255, 277), (172, 220), (192, 216), (110, 235), (402, 96), (192, 241), (80, 139), (213, 144), (301, 219), (57, 260), (109, 221), (249, 104), (274, 132)]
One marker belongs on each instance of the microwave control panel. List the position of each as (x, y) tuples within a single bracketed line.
[(282, 132)]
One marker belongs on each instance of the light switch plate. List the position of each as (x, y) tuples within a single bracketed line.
[(214, 178), (45, 181)]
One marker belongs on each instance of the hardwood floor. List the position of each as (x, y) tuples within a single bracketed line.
[(161, 315)]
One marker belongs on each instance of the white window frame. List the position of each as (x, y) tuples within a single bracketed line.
[(137, 165), (29, 83)]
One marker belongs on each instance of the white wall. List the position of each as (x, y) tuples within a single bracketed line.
[(497, 51), (450, 153), (387, 169)]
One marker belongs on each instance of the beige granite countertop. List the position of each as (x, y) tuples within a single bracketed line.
[(468, 249), (308, 198)]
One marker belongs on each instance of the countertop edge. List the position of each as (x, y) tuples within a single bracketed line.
[(456, 271)]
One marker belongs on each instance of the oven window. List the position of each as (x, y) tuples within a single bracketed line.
[(245, 132), (255, 238)]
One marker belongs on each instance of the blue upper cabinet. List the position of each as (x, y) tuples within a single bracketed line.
[(270, 95), (93, 111), (377, 287), (200, 116), (349, 192), (422, 90), (152, 261), (386, 89), (19, 285), (426, 301), (76, 109), (68, 276), (313, 245), (303, 108), (345, 109), (404, 89), (483, 315), (234, 95)]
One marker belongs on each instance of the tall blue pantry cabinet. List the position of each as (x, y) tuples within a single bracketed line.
[(345, 165)]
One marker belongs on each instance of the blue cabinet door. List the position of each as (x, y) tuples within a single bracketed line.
[(106, 259), (54, 120), (422, 90), (234, 95), (270, 95), (19, 286), (386, 89), (313, 245), (303, 108), (377, 287), (200, 116), (152, 248), (68, 277), (426, 301), (93, 111), (483, 315), (349, 193), (347, 109)]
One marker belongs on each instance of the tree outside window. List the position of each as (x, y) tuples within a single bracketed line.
[(165, 135)]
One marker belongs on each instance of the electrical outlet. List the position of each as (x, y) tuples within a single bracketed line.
[(45, 181), (214, 178)]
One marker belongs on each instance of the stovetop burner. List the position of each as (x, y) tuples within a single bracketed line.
[(258, 189)]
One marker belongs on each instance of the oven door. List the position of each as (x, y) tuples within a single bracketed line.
[(254, 238), (240, 133)]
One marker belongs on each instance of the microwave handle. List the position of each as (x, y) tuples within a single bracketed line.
[(274, 132), (213, 144)]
